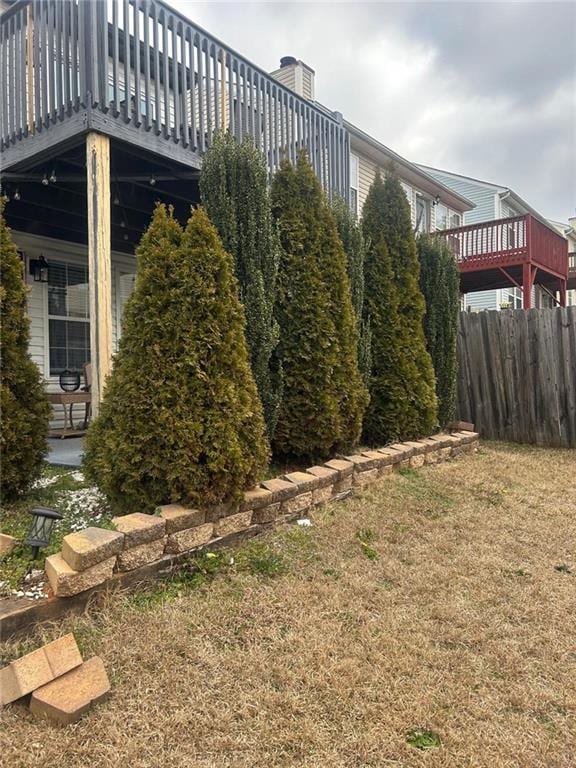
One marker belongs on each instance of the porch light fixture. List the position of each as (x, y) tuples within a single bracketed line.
[(43, 519), (152, 181), (16, 195), (39, 269), (69, 381), (116, 200), (45, 181), (53, 178)]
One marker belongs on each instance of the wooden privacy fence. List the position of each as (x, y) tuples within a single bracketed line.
[(517, 374)]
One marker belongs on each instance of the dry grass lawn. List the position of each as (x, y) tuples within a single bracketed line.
[(441, 600)]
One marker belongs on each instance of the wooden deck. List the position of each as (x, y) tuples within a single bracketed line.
[(519, 251)]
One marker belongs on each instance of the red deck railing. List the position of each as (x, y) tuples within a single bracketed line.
[(504, 242)]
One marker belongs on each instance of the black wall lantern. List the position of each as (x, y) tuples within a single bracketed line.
[(39, 269), (69, 381), (43, 519)]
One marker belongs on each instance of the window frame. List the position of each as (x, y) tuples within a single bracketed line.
[(63, 318)]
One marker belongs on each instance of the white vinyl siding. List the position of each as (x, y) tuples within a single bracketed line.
[(123, 267), (366, 174)]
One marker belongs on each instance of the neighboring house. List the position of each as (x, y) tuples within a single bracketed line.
[(568, 230), (493, 203), (433, 204), (133, 92)]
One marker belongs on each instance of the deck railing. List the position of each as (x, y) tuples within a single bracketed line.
[(143, 64), (507, 241)]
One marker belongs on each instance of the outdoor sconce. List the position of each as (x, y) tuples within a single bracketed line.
[(39, 269), (43, 519), (69, 381)]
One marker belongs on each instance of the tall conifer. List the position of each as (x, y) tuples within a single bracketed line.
[(324, 399), (403, 400), (440, 285), (234, 190), (181, 420), (24, 406), (354, 248)]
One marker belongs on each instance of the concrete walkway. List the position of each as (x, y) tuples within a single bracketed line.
[(66, 452)]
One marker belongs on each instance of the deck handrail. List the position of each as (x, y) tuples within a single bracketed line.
[(143, 64), (506, 241)]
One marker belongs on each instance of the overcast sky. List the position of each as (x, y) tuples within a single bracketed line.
[(483, 89)]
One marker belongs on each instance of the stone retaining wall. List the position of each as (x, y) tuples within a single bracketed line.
[(92, 556)]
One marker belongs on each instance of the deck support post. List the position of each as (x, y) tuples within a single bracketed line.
[(527, 282), (99, 262)]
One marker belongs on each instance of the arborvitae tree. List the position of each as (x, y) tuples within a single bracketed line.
[(181, 420), (324, 399), (440, 285), (355, 251), (403, 390), (234, 190), (401, 243), (24, 406)]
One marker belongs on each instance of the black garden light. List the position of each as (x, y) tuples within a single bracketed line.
[(43, 519), (39, 269), (69, 381)]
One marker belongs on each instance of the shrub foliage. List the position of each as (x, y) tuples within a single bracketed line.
[(440, 285), (355, 251), (24, 406), (234, 190), (402, 387), (324, 397), (181, 420)]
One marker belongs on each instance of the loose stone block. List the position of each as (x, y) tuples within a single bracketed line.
[(178, 517), (461, 426), (234, 523), (303, 480), (90, 546), (182, 541), (67, 698), (343, 467), (139, 528), (281, 489), (267, 514), (365, 478), (324, 475), (38, 668), (256, 498), (65, 581), (136, 557), (322, 495), (7, 544), (297, 504)]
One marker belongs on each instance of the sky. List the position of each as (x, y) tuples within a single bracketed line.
[(483, 89)]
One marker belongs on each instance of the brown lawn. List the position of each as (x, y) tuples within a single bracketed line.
[(439, 600)]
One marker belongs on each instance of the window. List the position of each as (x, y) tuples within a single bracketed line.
[(455, 220), (68, 317), (354, 183), (441, 216)]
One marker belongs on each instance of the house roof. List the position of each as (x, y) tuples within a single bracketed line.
[(411, 172), (504, 192)]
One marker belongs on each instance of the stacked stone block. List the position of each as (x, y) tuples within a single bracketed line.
[(91, 557)]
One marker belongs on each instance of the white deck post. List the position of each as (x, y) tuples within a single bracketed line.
[(99, 262)]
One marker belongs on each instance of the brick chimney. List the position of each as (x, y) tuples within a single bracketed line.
[(297, 76)]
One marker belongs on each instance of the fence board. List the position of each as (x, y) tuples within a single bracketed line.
[(517, 375)]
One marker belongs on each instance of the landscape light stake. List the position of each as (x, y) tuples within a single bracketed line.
[(43, 519)]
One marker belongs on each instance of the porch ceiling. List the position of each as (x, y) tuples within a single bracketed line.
[(59, 208)]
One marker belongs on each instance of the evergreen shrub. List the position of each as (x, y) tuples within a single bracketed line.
[(24, 406), (181, 420), (440, 285)]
